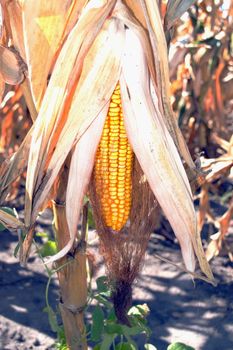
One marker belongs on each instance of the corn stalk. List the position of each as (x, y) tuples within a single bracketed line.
[(73, 276)]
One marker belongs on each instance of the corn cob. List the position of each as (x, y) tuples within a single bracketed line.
[(113, 167)]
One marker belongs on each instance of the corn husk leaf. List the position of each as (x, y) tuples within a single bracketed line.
[(136, 9), (158, 155), (81, 167), (159, 46), (44, 24), (91, 95), (1, 22), (14, 24), (57, 102), (123, 13)]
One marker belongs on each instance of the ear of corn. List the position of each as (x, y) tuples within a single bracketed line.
[(113, 167)]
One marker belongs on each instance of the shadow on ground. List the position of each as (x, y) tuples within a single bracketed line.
[(22, 295), (199, 314)]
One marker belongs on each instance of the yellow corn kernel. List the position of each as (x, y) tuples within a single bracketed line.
[(113, 167)]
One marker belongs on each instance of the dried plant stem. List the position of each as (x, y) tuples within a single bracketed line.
[(28, 98), (72, 278)]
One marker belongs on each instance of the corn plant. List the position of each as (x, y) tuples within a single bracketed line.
[(96, 83)]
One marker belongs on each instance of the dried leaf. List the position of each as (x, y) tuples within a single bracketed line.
[(175, 9), (212, 250), (81, 167), (10, 68), (226, 145), (136, 9), (159, 46), (123, 13), (57, 102), (215, 245), (157, 154), (12, 168), (218, 166), (9, 220), (1, 21), (14, 24), (225, 220), (44, 27), (203, 206), (26, 246), (2, 88)]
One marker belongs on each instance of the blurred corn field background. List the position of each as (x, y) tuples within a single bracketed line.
[(200, 43)]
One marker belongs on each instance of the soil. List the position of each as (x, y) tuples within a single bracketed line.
[(199, 314)]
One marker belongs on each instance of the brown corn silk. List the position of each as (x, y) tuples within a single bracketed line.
[(124, 250)]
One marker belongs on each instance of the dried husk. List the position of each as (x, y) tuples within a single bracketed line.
[(13, 23), (44, 27), (57, 124), (157, 154), (159, 46), (81, 166)]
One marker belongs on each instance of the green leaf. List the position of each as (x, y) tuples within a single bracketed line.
[(129, 331), (138, 321), (114, 328), (8, 211), (179, 346), (16, 250), (97, 324), (52, 319), (97, 347), (91, 221), (125, 346), (49, 248), (107, 341), (102, 284), (111, 315), (150, 347), (21, 239), (102, 300), (42, 234), (131, 342)]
